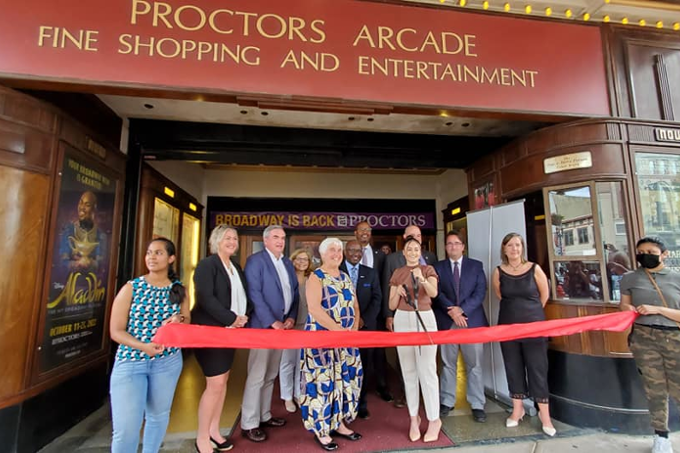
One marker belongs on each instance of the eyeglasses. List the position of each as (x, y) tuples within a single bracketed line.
[(365, 230), (455, 244), (301, 258)]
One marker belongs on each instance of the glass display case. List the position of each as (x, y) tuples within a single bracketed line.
[(659, 188), (191, 233), (165, 220), (589, 241)]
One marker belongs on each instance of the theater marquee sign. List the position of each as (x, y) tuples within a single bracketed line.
[(329, 49)]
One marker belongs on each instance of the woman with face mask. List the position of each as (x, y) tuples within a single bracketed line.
[(653, 290)]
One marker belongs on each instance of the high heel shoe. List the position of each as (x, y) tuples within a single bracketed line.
[(512, 423), (549, 431), (428, 437), (411, 436)]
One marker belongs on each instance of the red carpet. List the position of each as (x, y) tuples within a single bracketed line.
[(386, 430)]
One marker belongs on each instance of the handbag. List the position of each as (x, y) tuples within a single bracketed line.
[(658, 290)]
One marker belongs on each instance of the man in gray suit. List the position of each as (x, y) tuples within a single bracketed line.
[(394, 261)]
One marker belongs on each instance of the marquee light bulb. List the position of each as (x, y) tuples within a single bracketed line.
[(605, 19), (586, 17), (624, 21), (485, 5), (676, 26), (506, 7), (642, 22), (659, 24), (527, 9), (548, 11), (567, 13), (463, 2)]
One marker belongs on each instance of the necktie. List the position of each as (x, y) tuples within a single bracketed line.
[(354, 275), (364, 257), (456, 280)]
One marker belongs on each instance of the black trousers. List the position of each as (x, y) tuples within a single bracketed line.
[(526, 368), (368, 363)]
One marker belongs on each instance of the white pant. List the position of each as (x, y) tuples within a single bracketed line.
[(263, 366), (419, 364), (289, 374)]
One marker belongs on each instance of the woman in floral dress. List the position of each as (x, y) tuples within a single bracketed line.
[(331, 378)]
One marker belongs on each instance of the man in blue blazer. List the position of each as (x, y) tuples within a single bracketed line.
[(459, 305), (367, 289), (273, 290)]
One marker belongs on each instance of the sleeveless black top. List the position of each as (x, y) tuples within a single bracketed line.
[(520, 299)]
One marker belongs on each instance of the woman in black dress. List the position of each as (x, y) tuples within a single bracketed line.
[(221, 300), (522, 288)]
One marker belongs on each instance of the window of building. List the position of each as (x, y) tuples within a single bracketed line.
[(582, 235), (658, 179), (589, 241)]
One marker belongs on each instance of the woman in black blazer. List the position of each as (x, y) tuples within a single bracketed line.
[(221, 300)]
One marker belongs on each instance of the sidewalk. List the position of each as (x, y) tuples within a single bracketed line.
[(93, 435)]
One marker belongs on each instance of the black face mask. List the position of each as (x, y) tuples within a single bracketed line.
[(647, 260)]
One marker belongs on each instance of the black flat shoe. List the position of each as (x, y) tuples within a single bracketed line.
[(224, 446), (353, 437), (330, 446)]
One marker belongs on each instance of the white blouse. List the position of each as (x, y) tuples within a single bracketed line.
[(239, 300)]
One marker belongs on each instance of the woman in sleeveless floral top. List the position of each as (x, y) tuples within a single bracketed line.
[(331, 378), (145, 374)]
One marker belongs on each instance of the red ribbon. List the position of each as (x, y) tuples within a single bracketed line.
[(195, 336)]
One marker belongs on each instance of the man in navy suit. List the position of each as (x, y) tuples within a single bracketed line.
[(367, 289), (273, 289), (462, 289), (375, 259)]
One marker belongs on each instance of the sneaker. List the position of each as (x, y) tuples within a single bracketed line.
[(662, 445)]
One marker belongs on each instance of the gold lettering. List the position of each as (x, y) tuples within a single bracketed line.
[(261, 30), (430, 41), (199, 11), (213, 25), (458, 43), (95, 292), (296, 24), (401, 43), (157, 14), (364, 33), (136, 12), (469, 44), (315, 25), (384, 35)]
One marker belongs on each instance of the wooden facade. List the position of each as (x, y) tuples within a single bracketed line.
[(33, 139)]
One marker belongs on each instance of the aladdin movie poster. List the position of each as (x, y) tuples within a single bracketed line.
[(79, 274)]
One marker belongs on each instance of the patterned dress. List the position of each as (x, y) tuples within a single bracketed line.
[(331, 378)]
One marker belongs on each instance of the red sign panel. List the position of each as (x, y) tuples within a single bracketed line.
[(343, 49)]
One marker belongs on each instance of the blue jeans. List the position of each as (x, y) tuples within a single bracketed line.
[(142, 390)]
